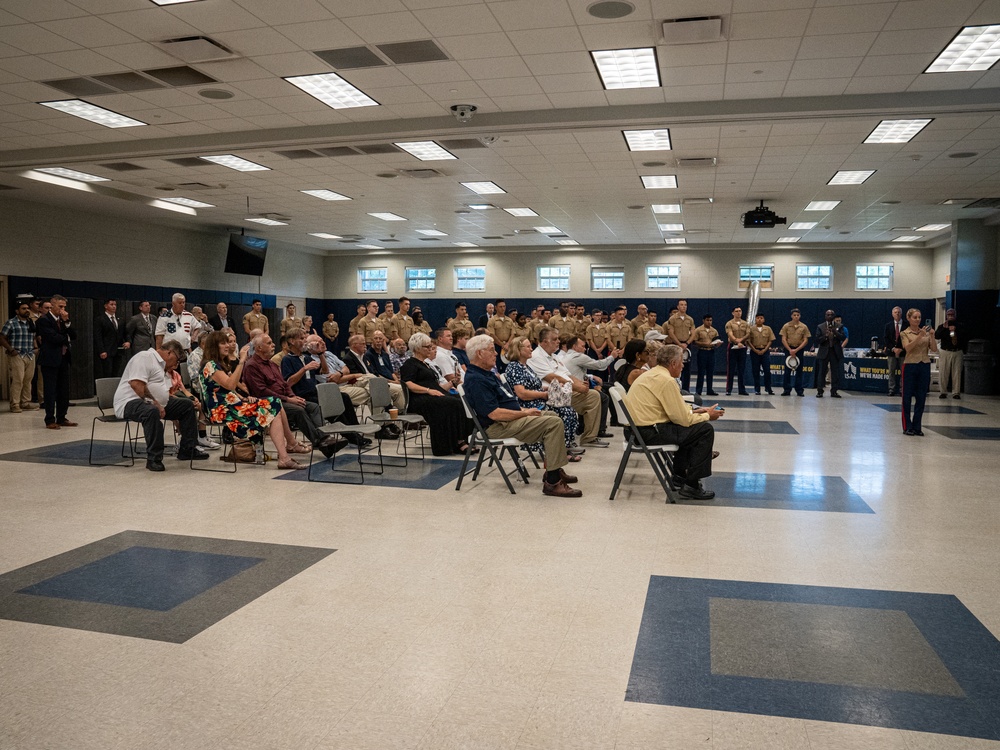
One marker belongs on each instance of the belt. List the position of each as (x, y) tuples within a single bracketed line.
[(706, 348)]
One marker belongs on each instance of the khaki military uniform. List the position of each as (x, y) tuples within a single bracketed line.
[(402, 327), (255, 321), (620, 335), (501, 328), (760, 338), (737, 329), (794, 333), (424, 327), (559, 323), (597, 336), (331, 329), (354, 327), (289, 323), (681, 326), (704, 336), (637, 321), (455, 325), (368, 327)]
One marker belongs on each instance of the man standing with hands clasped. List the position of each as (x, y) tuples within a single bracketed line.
[(894, 349), (952, 338), (761, 338), (737, 330), (679, 328), (829, 354), (794, 337)]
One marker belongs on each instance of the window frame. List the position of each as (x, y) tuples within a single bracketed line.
[(456, 278), (671, 289), (799, 277), (568, 276), (385, 271), (620, 270), (751, 267), (415, 290), (857, 277)]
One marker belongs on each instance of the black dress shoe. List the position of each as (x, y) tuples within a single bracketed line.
[(744, 393), (918, 433), (909, 433), (943, 395), (155, 466), (957, 395), (712, 393), (771, 393), (786, 393), (696, 492), (834, 395), (386, 434), (328, 449), (192, 456), (819, 394), (605, 434)]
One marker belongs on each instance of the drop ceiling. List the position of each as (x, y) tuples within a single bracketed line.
[(781, 105)]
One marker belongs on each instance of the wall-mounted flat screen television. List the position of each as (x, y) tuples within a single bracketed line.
[(246, 255)]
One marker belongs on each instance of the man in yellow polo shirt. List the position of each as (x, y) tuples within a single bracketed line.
[(663, 418)]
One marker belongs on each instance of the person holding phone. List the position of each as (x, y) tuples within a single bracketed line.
[(917, 342)]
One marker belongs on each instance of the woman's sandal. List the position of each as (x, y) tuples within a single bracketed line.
[(291, 463), (574, 459), (299, 448), (463, 447)]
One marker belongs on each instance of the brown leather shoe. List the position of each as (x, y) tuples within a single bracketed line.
[(560, 489), (567, 478), (67, 423), (51, 426)]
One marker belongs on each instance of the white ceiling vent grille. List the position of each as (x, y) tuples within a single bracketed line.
[(693, 30), (709, 161), (196, 49)]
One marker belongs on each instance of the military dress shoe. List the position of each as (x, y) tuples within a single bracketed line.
[(52, 426), (957, 395), (835, 395), (712, 393), (567, 478), (696, 492), (943, 395), (155, 465), (771, 393), (195, 455), (67, 423), (560, 489)]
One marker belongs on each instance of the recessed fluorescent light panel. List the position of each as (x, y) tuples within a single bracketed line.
[(973, 48), (72, 174), (386, 216), (671, 227), (651, 182), (370, 247), (157, 203), (325, 236), (431, 233), (327, 195), (547, 230), (483, 188), (520, 212), (896, 131), (647, 140), (93, 113), (426, 150), (188, 202), (666, 208), (908, 238), (802, 224), (268, 222), (675, 241), (173, 2), (333, 91), (849, 177), (933, 227), (464, 244), (822, 205), (481, 206), (567, 242), (627, 68), (235, 162), (789, 239)]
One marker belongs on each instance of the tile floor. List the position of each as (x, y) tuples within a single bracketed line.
[(484, 620)]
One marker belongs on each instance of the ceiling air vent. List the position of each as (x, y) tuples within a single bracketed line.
[(378, 148), (390, 239), (428, 239), (122, 166), (128, 81), (402, 53), (349, 57), (693, 30), (709, 161), (195, 49), (338, 151), (421, 174), (180, 75), (985, 203), (302, 153), (188, 161), (79, 86), (493, 237), (457, 144)]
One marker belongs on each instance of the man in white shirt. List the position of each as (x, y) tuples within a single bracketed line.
[(579, 364), (586, 402), (176, 325), (445, 361), (143, 396)]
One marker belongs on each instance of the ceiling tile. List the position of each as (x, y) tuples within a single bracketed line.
[(816, 87), (292, 64), (89, 31), (452, 21), (700, 75), (927, 41), (578, 99), (348, 8), (837, 68), (510, 86), (217, 15), (621, 34), (768, 25), (504, 67), (571, 82), (847, 19), (522, 103), (255, 42), (370, 79), (387, 27), (879, 84), (763, 50), (34, 40), (929, 14), (435, 72), (693, 93), (687, 55), (516, 15), (235, 70), (543, 41), (152, 24), (286, 11), (138, 56), (475, 46), (757, 72), (836, 45), (42, 10), (316, 35), (890, 65), (559, 63)]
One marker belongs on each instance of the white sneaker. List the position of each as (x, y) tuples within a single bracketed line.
[(208, 443)]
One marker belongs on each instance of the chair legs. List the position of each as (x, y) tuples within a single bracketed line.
[(359, 472), (126, 441), (659, 461)]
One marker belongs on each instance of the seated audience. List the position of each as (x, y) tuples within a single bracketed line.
[(245, 417), (635, 362), (460, 336), (449, 426), (354, 358), (377, 358), (502, 416), (355, 385), (445, 359), (143, 396), (663, 418), (398, 354)]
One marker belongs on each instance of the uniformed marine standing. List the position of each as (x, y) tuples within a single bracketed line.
[(679, 328), (761, 338), (794, 337), (737, 330), (705, 338)]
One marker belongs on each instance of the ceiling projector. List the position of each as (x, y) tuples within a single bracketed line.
[(761, 218)]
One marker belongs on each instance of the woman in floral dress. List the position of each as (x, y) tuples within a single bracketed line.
[(246, 417), (528, 389)]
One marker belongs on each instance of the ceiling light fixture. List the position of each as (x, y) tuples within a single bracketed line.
[(93, 113), (567, 242), (973, 48), (385, 216), (464, 244), (325, 236), (897, 131), (666, 208), (481, 206), (188, 202), (431, 233), (235, 162), (333, 91), (651, 182), (802, 224), (908, 238), (72, 174), (647, 140), (158, 203), (483, 188), (520, 212), (671, 227), (326, 195), (627, 68), (821, 205), (370, 247), (851, 177), (173, 2), (933, 227), (788, 239), (675, 241), (426, 150), (267, 222), (547, 230)]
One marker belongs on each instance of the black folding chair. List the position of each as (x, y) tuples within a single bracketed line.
[(411, 426), (489, 445), (106, 388), (660, 457), (331, 406)]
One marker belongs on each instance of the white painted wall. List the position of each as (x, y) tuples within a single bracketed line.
[(704, 273), (44, 241), (942, 270)]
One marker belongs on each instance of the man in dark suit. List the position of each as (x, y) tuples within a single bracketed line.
[(55, 336), (221, 318), (140, 330), (893, 346), (484, 320), (109, 337), (829, 354)]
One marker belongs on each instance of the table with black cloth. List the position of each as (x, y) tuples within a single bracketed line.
[(865, 374), (444, 414)]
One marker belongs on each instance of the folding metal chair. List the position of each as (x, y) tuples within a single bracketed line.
[(489, 445), (331, 406), (660, 457), (106, 388), (524, 446), (381, 402)]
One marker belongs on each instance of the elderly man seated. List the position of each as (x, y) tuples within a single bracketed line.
[(663, 418), (501, 416), (143, 396), (355, 359), (585, 400), (445, 360), (377, 358), (263, 379)]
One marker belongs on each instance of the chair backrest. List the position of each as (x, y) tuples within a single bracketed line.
[(378, 390), (617, 393), (618, 364), (465, 404), (331, 403), (618, 399), (185, 376), (106, 388)]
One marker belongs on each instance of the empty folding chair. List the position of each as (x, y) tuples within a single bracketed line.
[(412, 426), (331, 405), (106, 388)]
